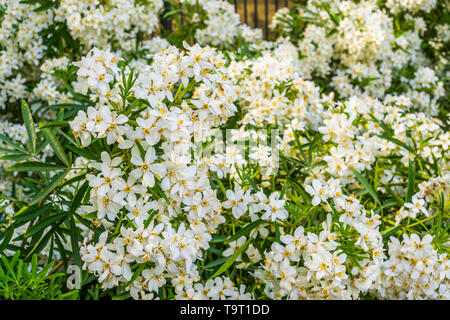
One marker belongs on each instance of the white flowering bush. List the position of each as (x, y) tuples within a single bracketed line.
[(197, 161)]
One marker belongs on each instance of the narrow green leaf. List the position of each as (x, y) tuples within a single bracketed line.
[(11, 143), (394, 196), (8, 234), (78, 197), (83, 153), (57, 180), (34, 166), (397, 142), (136, 274), (388, 232), (277, 231), (293, 160), (53, 124), (32, 213), (16, 157), (216, 262), (74, 242), (8, 267), (244, 231), (367, 186), (56, 145), (29, 125), (42, 243), (43, 224), (217, 238), (252, 183), (34, 263), (10, 151), (411, 181), (231, 259), (283, 190)]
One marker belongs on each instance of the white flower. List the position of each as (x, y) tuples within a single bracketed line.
[(417, 205), (139, 212), (275, 208), (147, 167), (319, 192), (128, 190), (238, 201)]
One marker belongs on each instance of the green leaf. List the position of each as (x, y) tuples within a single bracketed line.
[(367, 186), (8, 266), (293, 160), (244, 231), (49, 188), (34, 166), (56, 145), (34, 263), (250, 180), (141, 149), (32, 213), (388, 232), (83, 153), (43, 223), (52, 124), (397, 142), (29, 125), (283, 190), (277, 231), (8, 234), (411, 181), (74, 242), (231, 259), (16, 157), (78, 197), (216, 262), (5, 150), (11, 143), (73, 229), (136, 274), (394, 196), (333, 17), (42, 242), (217, 238)]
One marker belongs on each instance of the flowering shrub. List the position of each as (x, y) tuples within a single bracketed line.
[(202, 162)]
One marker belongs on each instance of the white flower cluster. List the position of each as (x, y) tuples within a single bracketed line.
[(279, 20), (240, 202), (397, 6), (356, 147), (27, 60), (334, 182), (430, 191), (91, 22), (222, 24), (355, 143), (49, 87), (22, 46), (155, 45), (413, 270), (162, 246), (121, 185), (425, 90), (271, 89), (324, 273), (355, 44)]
